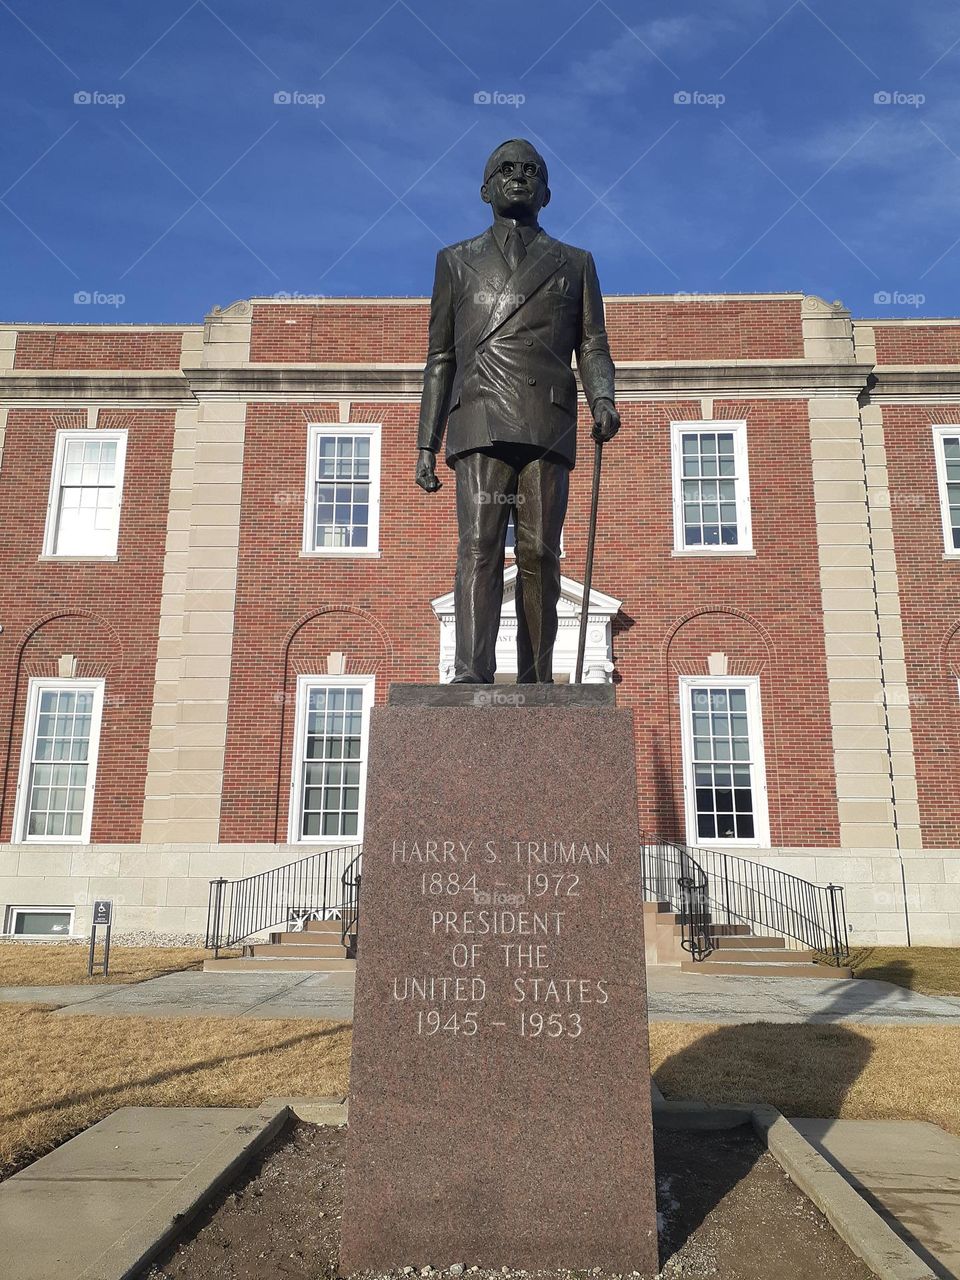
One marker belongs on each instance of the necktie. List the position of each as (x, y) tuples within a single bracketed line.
[(515, 250)]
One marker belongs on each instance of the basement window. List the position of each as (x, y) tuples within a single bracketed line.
[(40, 922)]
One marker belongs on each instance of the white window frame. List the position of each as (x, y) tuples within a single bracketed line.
[(372, 431), (761, 813), (510, 553), (940, 432), (738, 428), (37, 685), (14, 910), (304, 685), (56, 483)]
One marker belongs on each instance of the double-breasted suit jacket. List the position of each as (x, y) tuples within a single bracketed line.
[(498, 367)]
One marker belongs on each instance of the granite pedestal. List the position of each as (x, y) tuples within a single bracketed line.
[(500, 1086)]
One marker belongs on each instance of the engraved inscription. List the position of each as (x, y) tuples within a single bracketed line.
[(492, 912)]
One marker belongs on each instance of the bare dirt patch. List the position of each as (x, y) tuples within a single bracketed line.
[(727, 1210)]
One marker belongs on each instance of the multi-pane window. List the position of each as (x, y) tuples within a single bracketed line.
[(711, 493), (83, 517), (947, 445), (723, 761), (58, 760), (332, 756), (343, 491)]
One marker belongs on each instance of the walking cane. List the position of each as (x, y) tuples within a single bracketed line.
[(588, 574)]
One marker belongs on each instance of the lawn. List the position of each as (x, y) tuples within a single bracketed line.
[(934, 971), (41, 964), (62, 1074)]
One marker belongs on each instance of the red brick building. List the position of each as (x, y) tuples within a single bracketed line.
[(213, 560)]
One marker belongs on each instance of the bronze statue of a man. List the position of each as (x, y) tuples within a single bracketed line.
[(509, 308)]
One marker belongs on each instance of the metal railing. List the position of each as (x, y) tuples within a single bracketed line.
[(311, 888), (350, 913), (737, 890), (671, 875)]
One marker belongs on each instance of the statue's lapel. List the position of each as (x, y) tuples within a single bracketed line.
[(544, 257)]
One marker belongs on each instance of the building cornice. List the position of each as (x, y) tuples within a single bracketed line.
[(122, 386), (658, 379), (635, 381), (917, 383)]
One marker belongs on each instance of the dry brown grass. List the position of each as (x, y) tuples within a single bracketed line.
[(61, 1075), (56, 964), (853, 1072), (935, 971)]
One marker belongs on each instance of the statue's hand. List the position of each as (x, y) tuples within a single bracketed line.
[(606, 421), (426, 471)]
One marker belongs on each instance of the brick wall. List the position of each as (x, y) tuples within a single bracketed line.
[(918, 344), (93, 349), (765, 613), (930, 610), (106, 614), (658, 329)]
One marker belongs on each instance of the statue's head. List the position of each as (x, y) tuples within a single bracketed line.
[(515, 180)]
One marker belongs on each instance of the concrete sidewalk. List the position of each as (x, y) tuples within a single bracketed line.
[(698, 997), (673, 997), (908, 1171), (93, 1207)]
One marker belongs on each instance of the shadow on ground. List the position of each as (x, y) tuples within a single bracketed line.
[(753, 1063)]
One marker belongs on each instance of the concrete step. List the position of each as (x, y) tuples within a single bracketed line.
[(324, 926), (758, 955), (764, 970), (321, 943), (651, 908), (749, 941), (299, 950), (274, 964)]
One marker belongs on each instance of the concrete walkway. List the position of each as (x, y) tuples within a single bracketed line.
[(93, 1207), (694, 997), (673, 997), (908, 1171)]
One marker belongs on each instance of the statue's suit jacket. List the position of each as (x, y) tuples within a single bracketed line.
[(498, 361)]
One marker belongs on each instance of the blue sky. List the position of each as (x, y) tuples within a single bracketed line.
[(813, 147)]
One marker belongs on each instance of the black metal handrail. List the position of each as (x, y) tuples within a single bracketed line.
[(737, 890), (309, 887), (350, 914), (671, 875)]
